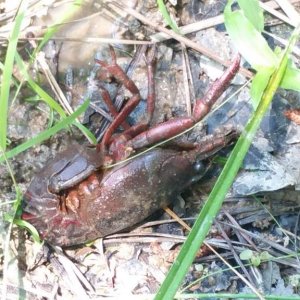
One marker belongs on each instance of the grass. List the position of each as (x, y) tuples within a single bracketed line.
[(7, 73), (164, 11), (63, 124), (213, 204), (264, 95), (7, 80), (4, 100)]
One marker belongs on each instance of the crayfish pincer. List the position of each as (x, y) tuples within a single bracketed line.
[(74, 199)]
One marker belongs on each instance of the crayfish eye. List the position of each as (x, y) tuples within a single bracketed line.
[(199, 167)]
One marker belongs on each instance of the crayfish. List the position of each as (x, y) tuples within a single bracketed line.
[(74, 199)]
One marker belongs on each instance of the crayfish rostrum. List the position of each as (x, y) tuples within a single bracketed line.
[(74, 199)]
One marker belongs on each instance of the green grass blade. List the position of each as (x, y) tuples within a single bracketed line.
[(291, 79), (7, 72), (163, 10), (253, 12), (32, 230), (44, 96), (214, 202), (47, 133), (37, 89), (248, 40), (258, 86), (52, 29), (86, 132)]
